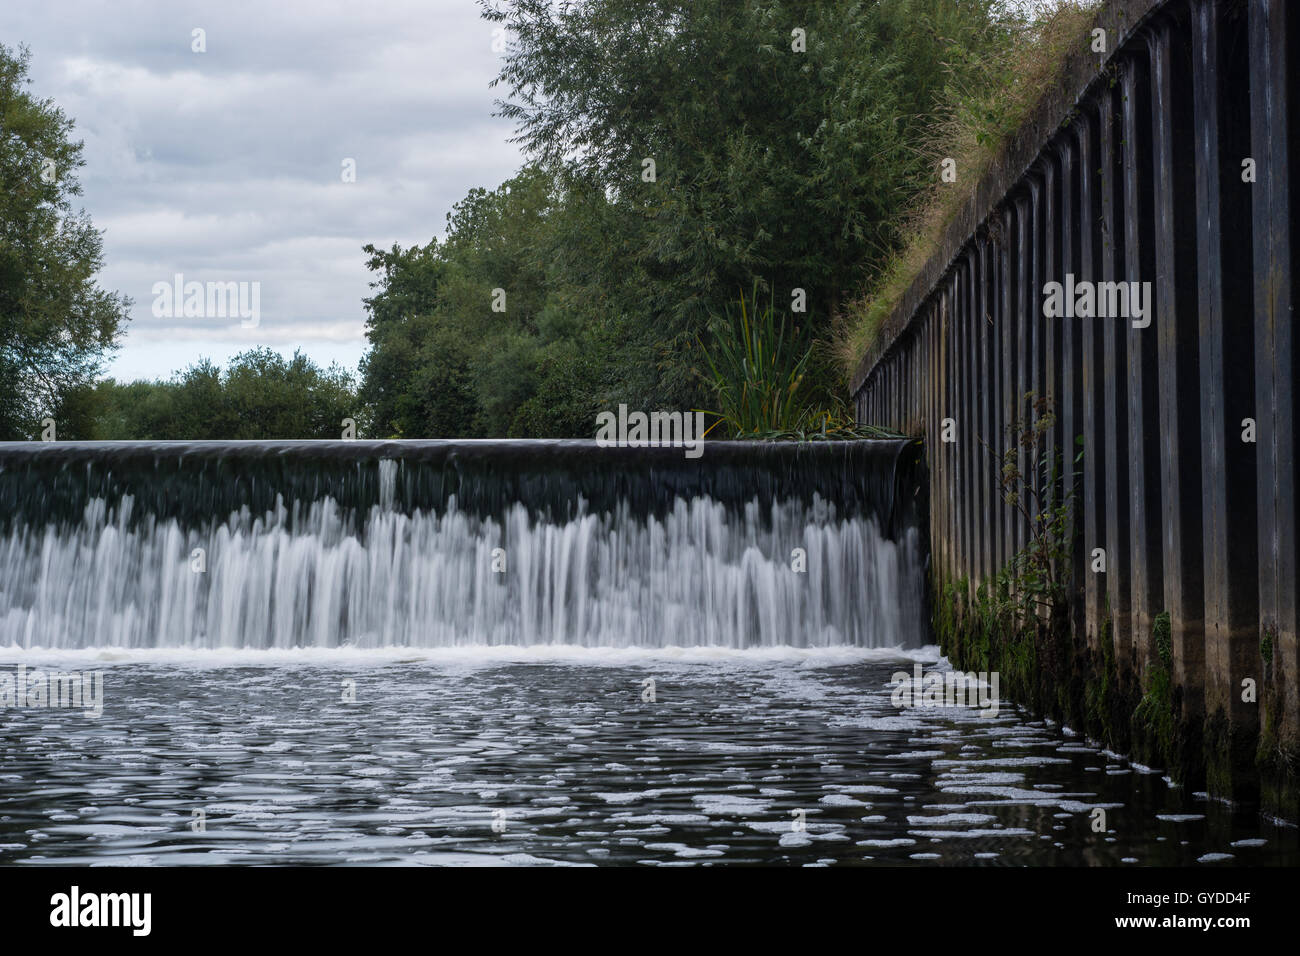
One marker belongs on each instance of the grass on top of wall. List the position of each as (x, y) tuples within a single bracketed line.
[(973, 129)]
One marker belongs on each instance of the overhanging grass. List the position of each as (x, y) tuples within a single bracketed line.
[(973, 129)]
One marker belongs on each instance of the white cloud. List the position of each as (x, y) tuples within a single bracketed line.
[(225, 165)]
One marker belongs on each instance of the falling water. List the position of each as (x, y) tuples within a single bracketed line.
[(438, 544), (770, 688)]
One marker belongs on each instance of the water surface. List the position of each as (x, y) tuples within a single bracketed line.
[(550, 755)]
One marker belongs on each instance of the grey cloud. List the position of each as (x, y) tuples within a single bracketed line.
[(225, 166)]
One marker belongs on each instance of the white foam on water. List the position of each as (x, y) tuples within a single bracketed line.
[(466, 654), (842, 800), (950, 819), (682, 850), (955, 765), (970, 834)]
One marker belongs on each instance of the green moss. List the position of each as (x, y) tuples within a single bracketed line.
[(1153, 718), (1277, 758), (1099, 690), (1162, 637), (992, 631), (953, 622), (1018, 623), (1218, 755)]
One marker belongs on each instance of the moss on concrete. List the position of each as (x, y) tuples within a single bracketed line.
[(1277, 755), (1051, 672), (1034, 658), (1100, 690), (1153, 718), (1187, 757), (1218, 760)]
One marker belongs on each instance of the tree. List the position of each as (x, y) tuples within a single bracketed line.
[(259, 395), (789, 168), (56, 323), (787, 164)]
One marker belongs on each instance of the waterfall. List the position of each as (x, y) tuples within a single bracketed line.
[(445, 543)]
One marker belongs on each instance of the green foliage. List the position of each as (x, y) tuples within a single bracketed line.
[(761, 374), (1031, 483), (995, 72), (444, 364), (1162, 637), (769, 163), (775, 169), (830, 428), (560, 404), (758, 371), (1153, 718), (1099, 694), (55, 322), (260, 395)]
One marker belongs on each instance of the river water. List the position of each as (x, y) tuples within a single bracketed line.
[(518, 652), (557, 756)]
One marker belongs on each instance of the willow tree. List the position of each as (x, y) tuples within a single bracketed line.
[(769, 140), (56, 323), (678, 152)]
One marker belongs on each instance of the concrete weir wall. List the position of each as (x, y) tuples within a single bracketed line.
[(1169, 159)]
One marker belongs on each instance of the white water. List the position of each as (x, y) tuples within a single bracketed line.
[(696, 578)]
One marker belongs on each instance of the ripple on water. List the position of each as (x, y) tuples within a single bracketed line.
[(543, 762)]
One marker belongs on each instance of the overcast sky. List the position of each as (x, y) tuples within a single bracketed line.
[(226, 165)]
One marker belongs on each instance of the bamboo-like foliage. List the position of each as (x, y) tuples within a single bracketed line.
[(759, 371), (758, 363)]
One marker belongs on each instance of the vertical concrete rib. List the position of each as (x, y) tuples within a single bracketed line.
[(1223, 252), (1274, 38), (1009, 336), (1179, 375), (1071, 396), (1031, 381), (1094, 385), (1143, 398), (1114, 308)]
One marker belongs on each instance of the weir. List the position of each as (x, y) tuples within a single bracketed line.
[(1170, 159), (445, 543)]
